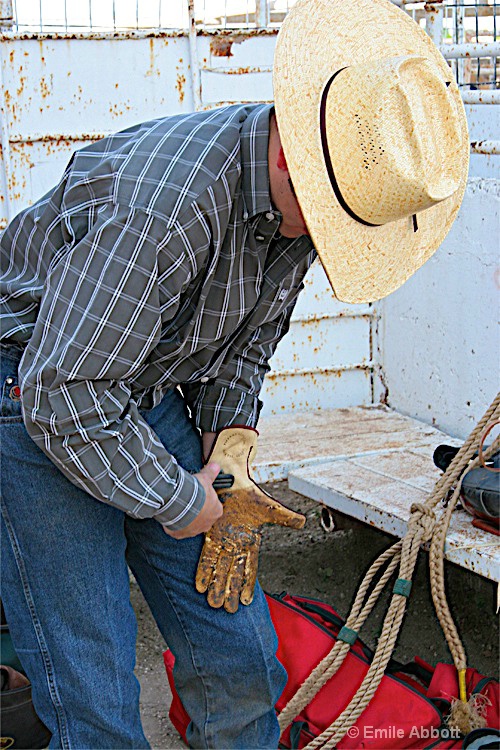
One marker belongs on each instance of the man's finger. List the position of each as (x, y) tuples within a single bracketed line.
[(211, 471)]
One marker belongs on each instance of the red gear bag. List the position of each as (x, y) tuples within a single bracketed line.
[(408, 710)]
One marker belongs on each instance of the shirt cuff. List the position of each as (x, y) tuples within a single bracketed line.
[(189, 496), (217, 407)]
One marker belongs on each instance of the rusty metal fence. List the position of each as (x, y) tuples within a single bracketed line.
[(72, 72), (121, 15), (467, 31)]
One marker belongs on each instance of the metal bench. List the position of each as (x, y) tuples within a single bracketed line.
[(369, 463)]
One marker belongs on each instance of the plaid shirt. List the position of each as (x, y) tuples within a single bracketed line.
[(155, 262)]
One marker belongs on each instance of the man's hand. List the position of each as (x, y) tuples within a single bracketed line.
[(207, 441), (212, 508)]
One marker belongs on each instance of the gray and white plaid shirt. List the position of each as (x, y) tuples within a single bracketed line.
[(155, 262)]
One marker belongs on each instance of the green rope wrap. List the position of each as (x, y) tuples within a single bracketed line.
[(402, 587), (348, 635)]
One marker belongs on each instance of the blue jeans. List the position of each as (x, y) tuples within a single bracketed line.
[(66, 596)]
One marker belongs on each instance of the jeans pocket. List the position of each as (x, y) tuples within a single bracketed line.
[(10, 399)]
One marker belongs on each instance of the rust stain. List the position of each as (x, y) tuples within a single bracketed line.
[(78, 96), (239, 71), (479, 147), (66, 140), (151, 57), (116, 111), (11, 56), (134, 34), (25, 158), (221, 45), (181, 80), (46, 88), (153, 68), (22, 82), (241, 35)]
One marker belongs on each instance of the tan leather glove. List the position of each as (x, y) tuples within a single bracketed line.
[(228, 563)]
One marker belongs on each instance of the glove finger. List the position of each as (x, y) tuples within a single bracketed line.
[(251, 567), (206, 566), (235, 583), (271, 511), (217, 588)]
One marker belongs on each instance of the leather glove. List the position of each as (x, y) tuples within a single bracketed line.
[(227, 568)]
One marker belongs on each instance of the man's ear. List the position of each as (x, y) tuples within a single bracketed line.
[(281, 163)]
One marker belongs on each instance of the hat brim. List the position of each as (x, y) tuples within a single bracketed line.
[(317, 38)]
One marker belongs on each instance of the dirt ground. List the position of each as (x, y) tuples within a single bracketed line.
[(329, 566)]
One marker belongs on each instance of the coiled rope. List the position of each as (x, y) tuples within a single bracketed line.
[(422, 527)]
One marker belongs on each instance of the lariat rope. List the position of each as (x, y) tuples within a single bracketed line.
[(422, 527)]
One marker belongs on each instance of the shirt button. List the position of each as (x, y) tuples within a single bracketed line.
[(270, 216), (245, 216), (259, 237), (204, 380)]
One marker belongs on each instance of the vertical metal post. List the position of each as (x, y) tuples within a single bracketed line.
[(495, 38), (6, 178), (6, 14), (193, 54), (459, 38), (262, 16), (478, 74), (434, 20)]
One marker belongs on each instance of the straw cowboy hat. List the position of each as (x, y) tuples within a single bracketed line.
[(375, 137)]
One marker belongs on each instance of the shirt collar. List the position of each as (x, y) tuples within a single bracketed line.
[(254, 160)]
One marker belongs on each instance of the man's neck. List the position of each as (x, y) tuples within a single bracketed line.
[(292, 224)]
